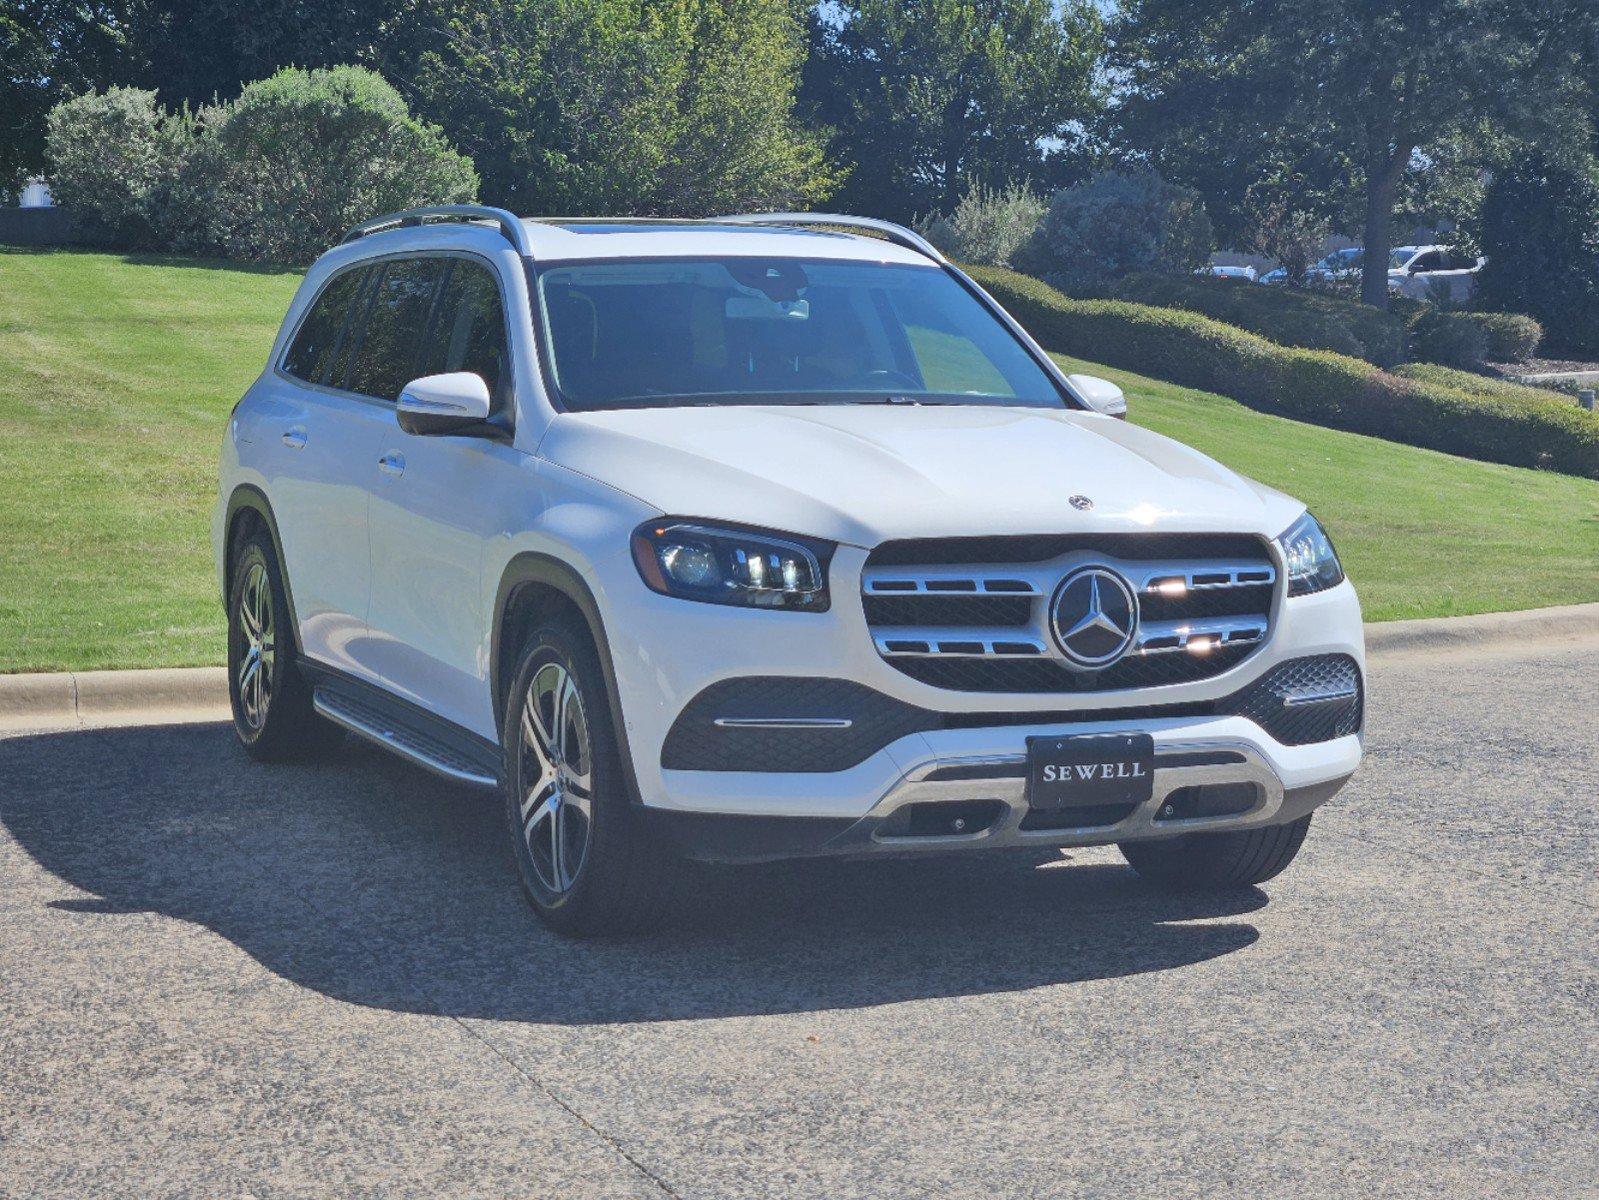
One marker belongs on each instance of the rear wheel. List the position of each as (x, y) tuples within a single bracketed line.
[(1218, 860), (585, 863), (272, 713)]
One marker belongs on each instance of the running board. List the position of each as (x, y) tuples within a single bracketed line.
[(430, 753)]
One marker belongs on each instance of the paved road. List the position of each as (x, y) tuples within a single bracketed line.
[(221, 980)]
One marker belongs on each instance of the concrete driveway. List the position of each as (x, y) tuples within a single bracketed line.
[(221, 980)]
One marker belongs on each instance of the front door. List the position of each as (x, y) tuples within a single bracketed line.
[(435, 509)]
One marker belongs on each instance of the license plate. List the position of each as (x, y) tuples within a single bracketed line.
[(1063, 772)]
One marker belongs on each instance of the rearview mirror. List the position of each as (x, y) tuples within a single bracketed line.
[(1101, 395), (437, 404)]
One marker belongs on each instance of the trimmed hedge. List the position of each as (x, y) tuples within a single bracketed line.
[(1479, 385), (1308, 385), (1309, 320)]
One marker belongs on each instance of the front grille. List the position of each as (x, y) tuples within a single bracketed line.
[(973, 614)]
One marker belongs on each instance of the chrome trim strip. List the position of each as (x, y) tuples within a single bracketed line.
[(409, 746), (783, 722), (1299, 699)]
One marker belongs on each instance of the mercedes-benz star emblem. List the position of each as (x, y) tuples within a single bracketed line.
[(1095, 617), (1080, 502)]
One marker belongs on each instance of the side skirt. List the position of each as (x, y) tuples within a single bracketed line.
[(403, 728)]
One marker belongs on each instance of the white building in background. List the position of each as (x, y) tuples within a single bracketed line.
[(36, 194)]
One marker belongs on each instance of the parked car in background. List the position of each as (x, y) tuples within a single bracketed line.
[(1420, 271), (1224, 272), (1339, 265)]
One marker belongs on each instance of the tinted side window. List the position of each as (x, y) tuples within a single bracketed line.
[(314, 346), (468, 331), (384, 358)]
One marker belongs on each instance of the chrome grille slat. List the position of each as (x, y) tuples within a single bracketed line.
[(1230, 631), (946, 642)]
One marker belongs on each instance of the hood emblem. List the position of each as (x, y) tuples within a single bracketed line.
[(1094, 616), (1080, 503)]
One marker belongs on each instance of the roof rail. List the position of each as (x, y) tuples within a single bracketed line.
[(897, 234), (509, 225)]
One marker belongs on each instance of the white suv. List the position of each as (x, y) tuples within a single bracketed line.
[(760, 537)]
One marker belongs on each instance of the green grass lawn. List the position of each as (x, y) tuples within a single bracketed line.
[(116, 377)]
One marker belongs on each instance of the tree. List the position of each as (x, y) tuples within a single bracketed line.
[(639, 106), (1115, 223), (1379, 80), (50, 50), (1539, 228), (929, 97), (196, 52)]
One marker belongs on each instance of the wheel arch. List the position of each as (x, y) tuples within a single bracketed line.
[(533, 588), (248, 512)]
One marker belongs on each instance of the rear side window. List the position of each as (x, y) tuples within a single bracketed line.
[(384, 356), (468, 331), (318, 340)]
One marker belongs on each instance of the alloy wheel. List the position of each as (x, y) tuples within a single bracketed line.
[(258, 632), (557, 777)]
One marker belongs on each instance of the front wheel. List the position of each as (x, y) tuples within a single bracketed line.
[(1239, 858), (584, 861)]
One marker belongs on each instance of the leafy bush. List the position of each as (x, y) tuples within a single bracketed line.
[(988, 225), (1115, 223), (1540, 230), (1308, 385), (278, 174), (1511, 336), (113, 157), (1479, 385), (1450, 338), (300, 157), (1311, 320)]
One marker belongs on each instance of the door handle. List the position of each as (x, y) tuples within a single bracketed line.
[(392, 463), (294, 439)]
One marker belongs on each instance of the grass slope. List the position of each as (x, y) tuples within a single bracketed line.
[(116, 377), (1422, 534)]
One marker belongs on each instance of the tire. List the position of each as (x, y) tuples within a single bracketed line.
[(1200, 861), (272, 713), (584, 860)]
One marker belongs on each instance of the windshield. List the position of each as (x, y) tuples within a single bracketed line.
[(633, 334), (1398, 258)]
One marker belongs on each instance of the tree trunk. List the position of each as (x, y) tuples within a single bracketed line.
[(1382, 182)]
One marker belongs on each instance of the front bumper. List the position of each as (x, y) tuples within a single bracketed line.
[(978, 801), (908, 797), (792, 810)]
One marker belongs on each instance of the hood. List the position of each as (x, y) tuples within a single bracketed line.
[(864, 474)]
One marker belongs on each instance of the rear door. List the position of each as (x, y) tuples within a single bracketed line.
[(322, 440), (441, 504)]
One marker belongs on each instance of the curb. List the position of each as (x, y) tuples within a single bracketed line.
[(74, 699), (1485, 632), (71, 699)]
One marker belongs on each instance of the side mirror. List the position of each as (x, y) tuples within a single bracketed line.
[(1101, 395), (436, 404)]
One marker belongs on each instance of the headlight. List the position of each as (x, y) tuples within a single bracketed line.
[(1312, 562), (722, 565)]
